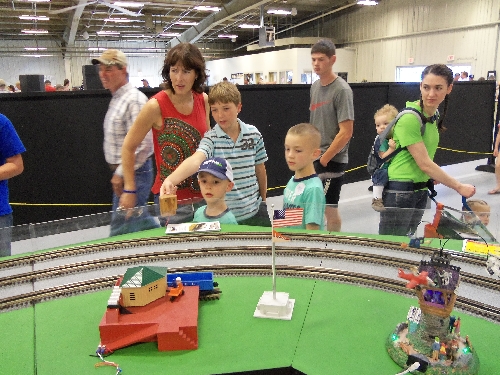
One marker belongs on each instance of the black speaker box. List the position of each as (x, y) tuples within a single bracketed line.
[(32, 82), (91, 80)]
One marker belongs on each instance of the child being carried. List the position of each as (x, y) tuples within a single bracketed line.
[(380, 177)]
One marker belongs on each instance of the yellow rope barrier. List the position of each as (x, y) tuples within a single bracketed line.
[(465, 152)]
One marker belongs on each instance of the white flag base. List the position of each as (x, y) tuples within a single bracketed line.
[(279, 308)]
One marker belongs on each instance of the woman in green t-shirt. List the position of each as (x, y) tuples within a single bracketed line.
[(405, 196)]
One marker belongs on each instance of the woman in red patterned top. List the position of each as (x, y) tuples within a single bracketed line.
[(178, 117)]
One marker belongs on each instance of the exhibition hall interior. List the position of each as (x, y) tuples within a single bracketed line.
[(296, 284)]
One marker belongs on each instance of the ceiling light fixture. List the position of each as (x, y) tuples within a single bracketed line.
[(169, 34), (35, 48), (367, 2), (248, 26), (37, 55), (207, 8), (34, 31), (136, 36), (281, 12), (97, 49), (34, 18), (104, 32), (128, 4), (228, 36), (118, 20), (186, 23)]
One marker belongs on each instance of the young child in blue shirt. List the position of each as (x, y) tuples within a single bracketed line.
[(305, 189), (380, 177), (215, 177)]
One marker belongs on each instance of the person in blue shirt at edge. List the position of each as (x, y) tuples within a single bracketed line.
[(242, 146), (215, 178), (305, 189), (405, 195), (11, 165)]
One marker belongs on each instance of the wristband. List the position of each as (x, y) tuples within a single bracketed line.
[(130, 191)]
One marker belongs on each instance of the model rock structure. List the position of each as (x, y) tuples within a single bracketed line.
[(432, 323)]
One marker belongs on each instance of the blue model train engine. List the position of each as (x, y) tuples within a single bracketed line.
[(208, 287)]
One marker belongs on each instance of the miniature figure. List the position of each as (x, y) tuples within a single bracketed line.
[(467, 341), (435, 349), (457, 326), (452, 322), (415, 241), (442, 351), (454, 350), (176, 291)]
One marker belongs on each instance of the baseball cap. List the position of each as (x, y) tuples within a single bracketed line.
[(217, 167), (111, 57)]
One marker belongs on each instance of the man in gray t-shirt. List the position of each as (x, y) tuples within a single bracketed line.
[(332, 112)]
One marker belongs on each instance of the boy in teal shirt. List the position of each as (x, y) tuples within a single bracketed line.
[(305, 189)]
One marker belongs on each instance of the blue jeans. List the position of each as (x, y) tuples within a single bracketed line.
[(140, 219), (380, 177), (403, 211), (6, 222)]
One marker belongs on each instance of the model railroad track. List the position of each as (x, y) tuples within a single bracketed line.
[(316, 273), (154, 257), (196, 239)]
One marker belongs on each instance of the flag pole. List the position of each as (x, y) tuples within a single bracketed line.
[(273, 253)]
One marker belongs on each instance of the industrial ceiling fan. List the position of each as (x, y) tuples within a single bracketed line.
[(113, 6)]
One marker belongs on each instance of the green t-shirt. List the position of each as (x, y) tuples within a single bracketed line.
[(407, 132)]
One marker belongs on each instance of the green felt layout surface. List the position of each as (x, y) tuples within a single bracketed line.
[(335, 329)]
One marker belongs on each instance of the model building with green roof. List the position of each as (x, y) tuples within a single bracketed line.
[(143, 285)]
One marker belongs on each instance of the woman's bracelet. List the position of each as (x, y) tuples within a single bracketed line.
[(130, 191)]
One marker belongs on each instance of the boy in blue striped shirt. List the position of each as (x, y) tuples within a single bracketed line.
[(242, 146)]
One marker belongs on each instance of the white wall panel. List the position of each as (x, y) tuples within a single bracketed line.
[(386, 35), (297, 60)]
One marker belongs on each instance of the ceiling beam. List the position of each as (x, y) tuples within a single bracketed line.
[(232, 9), (73, 23)]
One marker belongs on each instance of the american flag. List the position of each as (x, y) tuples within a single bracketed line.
[(288, 217)]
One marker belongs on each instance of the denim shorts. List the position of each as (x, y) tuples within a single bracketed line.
[(403, 211)]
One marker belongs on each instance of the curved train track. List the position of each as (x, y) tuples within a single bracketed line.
[(14, 272)]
